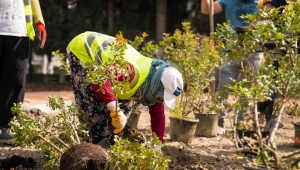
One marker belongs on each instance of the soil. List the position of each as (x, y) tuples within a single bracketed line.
[(203, 153), (76, 157)]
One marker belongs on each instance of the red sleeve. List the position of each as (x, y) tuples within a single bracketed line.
[(108, 96)]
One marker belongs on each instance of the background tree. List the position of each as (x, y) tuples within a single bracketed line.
[(67, 18)]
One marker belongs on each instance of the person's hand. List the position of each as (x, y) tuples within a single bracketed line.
[(41, 34), (240, 29), (119, 120)]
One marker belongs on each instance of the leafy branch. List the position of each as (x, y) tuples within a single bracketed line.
[(52, 133), (125, 154)]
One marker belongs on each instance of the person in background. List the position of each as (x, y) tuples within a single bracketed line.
[(153, 83), (270, 4), (17, 21), (233, 9)]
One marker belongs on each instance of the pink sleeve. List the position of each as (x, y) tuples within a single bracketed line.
[(108, 96), (158, 120)]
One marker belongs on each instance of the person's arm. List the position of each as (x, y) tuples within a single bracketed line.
[(118, 118), (107, 96), (38, 22), (205, 6), (36, 12)]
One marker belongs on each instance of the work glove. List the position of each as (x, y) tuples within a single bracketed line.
[(118, 118), (41, 35)]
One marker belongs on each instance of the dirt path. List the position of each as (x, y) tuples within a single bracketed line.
[(42, 97)]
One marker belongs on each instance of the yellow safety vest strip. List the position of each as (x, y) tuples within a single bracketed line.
[(29, 20), (91, 46)]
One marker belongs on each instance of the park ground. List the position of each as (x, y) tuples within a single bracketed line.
[(203, 153)]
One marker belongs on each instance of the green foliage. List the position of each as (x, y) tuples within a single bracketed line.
[(115, 66), (138, 40), (278, 29), (53, 134), (137, 156), (293, 109), (196, 59), (148, 49), (256, 86), (62, 58)]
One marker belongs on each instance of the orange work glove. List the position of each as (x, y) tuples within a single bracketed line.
[(118, 120), (41, 34)]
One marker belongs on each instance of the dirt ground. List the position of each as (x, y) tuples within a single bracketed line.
[(203, 153)]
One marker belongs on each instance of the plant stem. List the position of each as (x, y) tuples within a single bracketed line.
[(291, 154), (75, 133), (274, 153), (51, 144), (57, 138), (295, 162), (235, 134), (48, 132), (282, 106)]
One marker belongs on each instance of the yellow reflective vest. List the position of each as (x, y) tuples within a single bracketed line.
[(91, 46), (29, 20)]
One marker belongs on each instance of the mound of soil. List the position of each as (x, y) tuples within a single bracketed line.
[(84, 156)]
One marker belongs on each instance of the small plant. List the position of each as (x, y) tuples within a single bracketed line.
[(197, 60), (62, 59), (134, 155), (147, 48), (53, 134)]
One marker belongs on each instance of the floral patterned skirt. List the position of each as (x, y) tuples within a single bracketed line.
[(96, 113)]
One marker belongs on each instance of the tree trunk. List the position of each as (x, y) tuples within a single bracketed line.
[(111, 16), (161, 19), (62, 76)]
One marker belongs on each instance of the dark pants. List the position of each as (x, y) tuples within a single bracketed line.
[(14, 52)]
